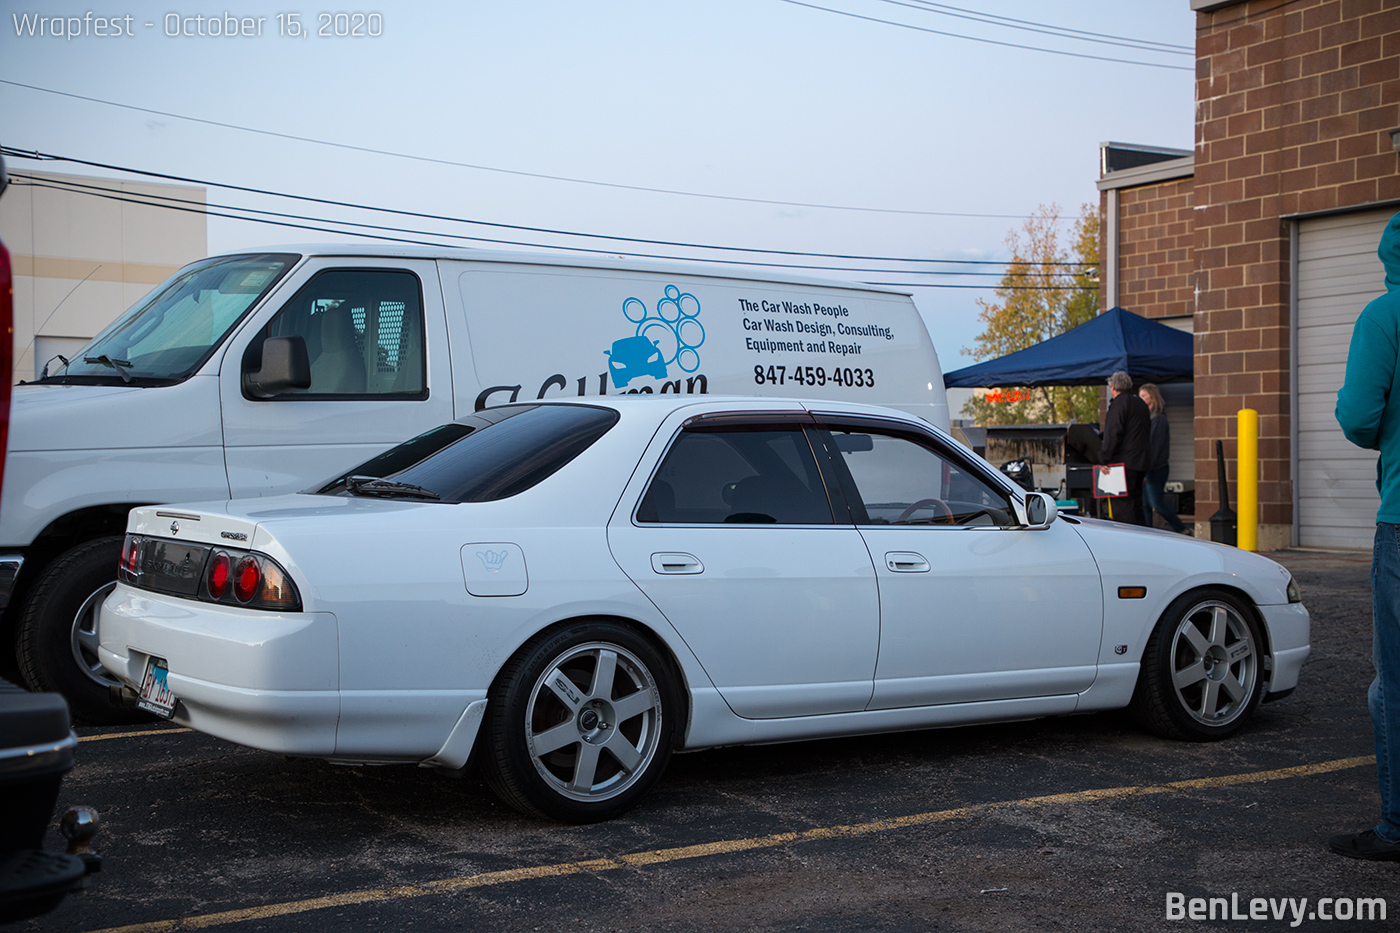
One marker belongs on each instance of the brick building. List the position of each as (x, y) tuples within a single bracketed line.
[(1265, 237)]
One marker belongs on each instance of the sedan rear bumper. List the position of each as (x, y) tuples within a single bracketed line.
[(262, 679)]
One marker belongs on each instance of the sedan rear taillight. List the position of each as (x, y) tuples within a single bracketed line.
[(7, 347), (277, 591), (246, 579), (220, 572), (127, 570), (210, 574)]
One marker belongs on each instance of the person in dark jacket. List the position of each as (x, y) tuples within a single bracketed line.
[(1154, 485), (1368, 410), (1127, 432)]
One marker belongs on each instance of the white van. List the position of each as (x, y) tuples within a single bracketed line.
[(259, 373)]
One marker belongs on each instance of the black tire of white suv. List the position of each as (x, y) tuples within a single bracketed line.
[(57, 643)]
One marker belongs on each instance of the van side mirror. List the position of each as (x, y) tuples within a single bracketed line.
[(285, 365), (1038, 510)]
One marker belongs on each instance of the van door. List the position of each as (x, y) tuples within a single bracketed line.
[(376, 340)]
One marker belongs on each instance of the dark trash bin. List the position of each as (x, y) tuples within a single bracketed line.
[(36, 751)]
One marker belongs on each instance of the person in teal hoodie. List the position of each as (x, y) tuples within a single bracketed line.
[(1368, 409)]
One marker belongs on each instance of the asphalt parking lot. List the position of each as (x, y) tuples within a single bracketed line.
[(1083, 823)]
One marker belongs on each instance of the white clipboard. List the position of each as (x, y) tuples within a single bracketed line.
[(1112, 484)]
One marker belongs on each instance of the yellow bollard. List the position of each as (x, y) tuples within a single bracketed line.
[(1247, 471)]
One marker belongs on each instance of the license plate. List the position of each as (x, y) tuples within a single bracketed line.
[(155, 690)]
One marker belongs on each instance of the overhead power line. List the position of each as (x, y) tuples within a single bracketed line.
[(505, 171), (1015, 288), (196, 208), (1009, 45), (155, 200), (193, 208), (49, 157), (1065, 32)]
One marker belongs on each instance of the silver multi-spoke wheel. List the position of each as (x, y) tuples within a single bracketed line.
[(85, 639), (581, 721), (1215, 663), (1203, 668), (593, 721)]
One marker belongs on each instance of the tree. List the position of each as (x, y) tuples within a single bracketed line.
[(1043, 294)]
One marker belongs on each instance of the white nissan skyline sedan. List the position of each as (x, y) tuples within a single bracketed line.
[(565, 593)]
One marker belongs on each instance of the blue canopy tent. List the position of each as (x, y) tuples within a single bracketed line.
[(1088, 355)]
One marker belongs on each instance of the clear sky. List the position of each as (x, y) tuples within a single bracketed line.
[(755, 121)]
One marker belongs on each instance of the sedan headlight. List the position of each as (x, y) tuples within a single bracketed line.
[(1294, 596)]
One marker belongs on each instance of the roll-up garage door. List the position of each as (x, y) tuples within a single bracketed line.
[(1338, 273), (1180, 398)]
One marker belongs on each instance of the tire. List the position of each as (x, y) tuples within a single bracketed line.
[(580, 723), (1202, 670), (57, 646)]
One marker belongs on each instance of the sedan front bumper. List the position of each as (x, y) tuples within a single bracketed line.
[(1290, 634)]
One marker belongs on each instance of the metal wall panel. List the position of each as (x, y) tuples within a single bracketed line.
[(1338, 273)]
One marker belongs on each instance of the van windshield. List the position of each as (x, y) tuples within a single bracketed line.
[(169, 334)]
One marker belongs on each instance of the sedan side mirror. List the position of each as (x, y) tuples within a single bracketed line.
[(1038, 510), (285, 365)]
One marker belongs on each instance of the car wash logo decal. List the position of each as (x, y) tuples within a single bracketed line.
[(668, 337), (671, 335)]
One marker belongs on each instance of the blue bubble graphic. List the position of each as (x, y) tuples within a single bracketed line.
[(690, 333), (668, 310), (672, 328), (664, 336)]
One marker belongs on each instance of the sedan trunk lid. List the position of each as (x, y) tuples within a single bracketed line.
[(195, 525)]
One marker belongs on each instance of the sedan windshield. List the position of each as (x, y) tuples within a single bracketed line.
[(493, 454), (169, 334)]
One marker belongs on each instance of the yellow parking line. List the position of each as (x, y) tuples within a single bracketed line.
[(131, 735), (721, 847)]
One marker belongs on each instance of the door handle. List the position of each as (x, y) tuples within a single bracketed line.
[(676, 563), (906, 562)]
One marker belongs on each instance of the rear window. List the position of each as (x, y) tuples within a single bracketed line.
[(494, 454), (401, 457)]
